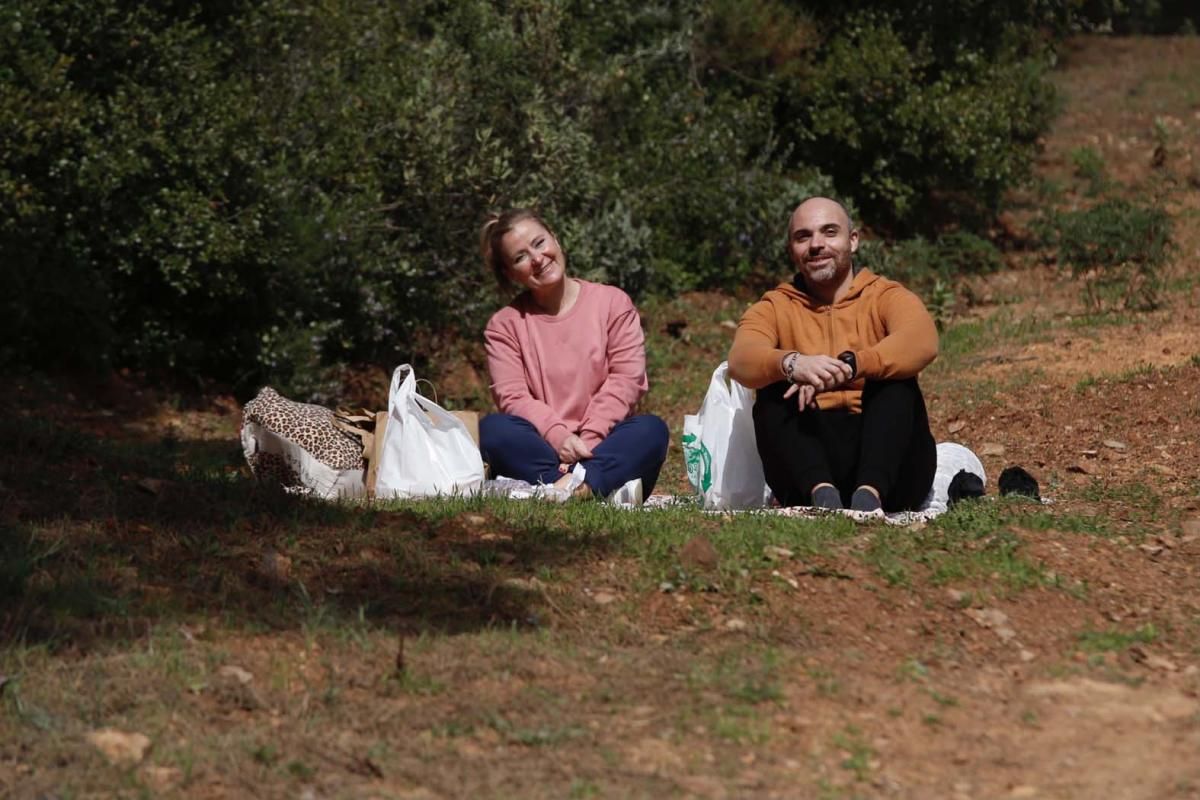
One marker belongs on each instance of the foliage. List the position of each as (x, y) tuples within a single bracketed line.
[(1118, 246), (1089, 166), (921, 263), (1139, 16), (926, 114), (268, 190), (254, 192)]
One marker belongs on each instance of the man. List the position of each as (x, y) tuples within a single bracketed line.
[(834, 355)]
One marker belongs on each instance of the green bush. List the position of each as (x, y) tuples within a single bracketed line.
[(1139, 16), (921, 263), (250, 192), (918, 136), (1119, 248), (1089, 166)]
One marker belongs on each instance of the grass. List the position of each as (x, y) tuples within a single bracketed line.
[(1112, 639), (857, 753), (974, 542), (143, 597), (120, 606)]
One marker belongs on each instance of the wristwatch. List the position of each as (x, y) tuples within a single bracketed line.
[(847, 357)]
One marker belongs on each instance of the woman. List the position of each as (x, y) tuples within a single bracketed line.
[(568, 366)]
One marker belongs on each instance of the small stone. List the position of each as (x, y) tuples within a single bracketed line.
[(1113, 444), (236, 673), (991, 449), (475, 519), (162, 779), (956, 426), (666, 587), (957, 598), (736, 624), (603, 598), (789, 580), (729, 324), (774, 553), (523, 584), (994, 620), (1089, 453), (1026, 655), (120, 748)]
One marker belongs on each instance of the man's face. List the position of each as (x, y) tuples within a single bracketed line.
[(822, 242)]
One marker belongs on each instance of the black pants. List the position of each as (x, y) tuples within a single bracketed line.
[(887, 446)]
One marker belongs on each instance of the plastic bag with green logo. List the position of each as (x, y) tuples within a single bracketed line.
[(719, 447)]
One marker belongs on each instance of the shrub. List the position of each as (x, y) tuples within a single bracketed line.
[(924, 114), (1139, 16), (921, 263), (1119, 248), (1089, 166), (254, 192)]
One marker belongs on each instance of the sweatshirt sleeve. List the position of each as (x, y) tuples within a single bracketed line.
[(626, 381), (510, 391), (755, 355), (910, 341)]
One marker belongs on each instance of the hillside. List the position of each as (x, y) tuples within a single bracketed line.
[(269, 647)]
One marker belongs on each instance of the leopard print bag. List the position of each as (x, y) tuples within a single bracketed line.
[(303, 448)]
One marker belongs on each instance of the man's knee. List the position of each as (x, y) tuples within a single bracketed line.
[(904, 390)]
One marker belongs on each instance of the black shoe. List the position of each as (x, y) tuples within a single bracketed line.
[(965, 486), (1015, 480)]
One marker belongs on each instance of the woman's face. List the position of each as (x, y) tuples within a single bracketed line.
[(532, 257)]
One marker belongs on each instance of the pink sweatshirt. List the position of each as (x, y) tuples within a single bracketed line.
[(580, 373)]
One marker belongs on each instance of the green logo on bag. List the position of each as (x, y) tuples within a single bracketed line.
[(698, 461)]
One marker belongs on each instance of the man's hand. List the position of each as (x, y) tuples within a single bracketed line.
[(807, 398), (822, 373), (573, 450)]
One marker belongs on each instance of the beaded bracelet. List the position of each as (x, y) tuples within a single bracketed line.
[(789, 365)]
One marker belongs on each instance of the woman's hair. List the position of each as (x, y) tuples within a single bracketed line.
[(493, 230)]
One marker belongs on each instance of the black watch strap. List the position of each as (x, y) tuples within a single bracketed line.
[(847, 357)]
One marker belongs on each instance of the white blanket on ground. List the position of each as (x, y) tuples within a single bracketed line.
[(951, 458)]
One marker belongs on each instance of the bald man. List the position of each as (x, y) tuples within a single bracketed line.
[(834, 354)]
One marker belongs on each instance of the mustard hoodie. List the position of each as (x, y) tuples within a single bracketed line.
[(883, 323)]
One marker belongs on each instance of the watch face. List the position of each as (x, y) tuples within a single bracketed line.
[(847, 358)]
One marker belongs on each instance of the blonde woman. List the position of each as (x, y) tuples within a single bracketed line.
[(567, 363)]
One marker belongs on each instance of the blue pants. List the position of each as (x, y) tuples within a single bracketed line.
[(635, 448)]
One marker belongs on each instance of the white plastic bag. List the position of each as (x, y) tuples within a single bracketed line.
[(426, 449), (719, 447)]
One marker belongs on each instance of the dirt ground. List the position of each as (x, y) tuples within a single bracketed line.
[(828, 674)]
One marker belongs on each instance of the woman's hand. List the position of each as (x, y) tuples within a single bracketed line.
[(573, 450)]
